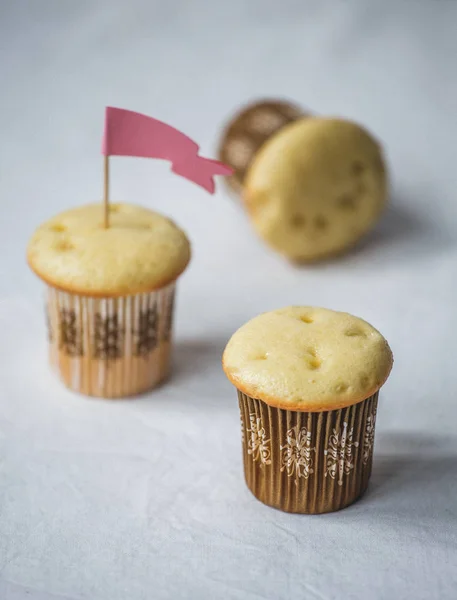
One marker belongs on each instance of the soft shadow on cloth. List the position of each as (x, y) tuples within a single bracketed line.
[(415, 477), (195, 357), (400, 226), (398, 230)]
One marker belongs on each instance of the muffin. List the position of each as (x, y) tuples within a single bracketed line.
[(315, 188), (110, 296), (251, 127), (308, 381)]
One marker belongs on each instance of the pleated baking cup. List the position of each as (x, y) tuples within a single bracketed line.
[(110, 347), (307, 462), (248, 130)]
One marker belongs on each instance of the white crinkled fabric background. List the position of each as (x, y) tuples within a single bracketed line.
[(145, 499)]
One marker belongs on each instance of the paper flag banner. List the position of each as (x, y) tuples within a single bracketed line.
[(130, 133)]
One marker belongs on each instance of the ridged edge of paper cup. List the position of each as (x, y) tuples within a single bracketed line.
[(248, 130), (307, 462), (110, 347)]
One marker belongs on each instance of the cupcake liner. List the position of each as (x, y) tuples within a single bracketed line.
[(110, 347), (248, 131), (307, 462)]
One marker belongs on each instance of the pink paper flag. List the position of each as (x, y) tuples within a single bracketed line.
[(129, 133)]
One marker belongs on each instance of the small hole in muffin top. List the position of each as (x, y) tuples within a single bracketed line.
[(346, 202), (364, 380), (306, 319), (354, 332), (358, 167), (58, 228), (263, 356), (298, 220), (314, 363), (64, 246), (341, 388), (320, 222)]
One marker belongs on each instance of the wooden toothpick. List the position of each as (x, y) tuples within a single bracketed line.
[(106, 191)]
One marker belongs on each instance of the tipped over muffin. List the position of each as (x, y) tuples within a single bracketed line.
[(316, 187), (313, 186)]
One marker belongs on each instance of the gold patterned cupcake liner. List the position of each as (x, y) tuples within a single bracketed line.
[(307, 462), (248, 130), (110, 347)]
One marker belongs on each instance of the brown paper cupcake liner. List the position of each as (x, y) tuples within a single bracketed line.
[(307, 462), (248, 131), (110, 347)]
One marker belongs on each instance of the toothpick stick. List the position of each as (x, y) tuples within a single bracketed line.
[(106, 191)]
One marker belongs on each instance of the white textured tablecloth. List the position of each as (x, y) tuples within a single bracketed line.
[(145, 499)]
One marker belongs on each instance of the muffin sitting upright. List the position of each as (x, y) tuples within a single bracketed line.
[(307, 381), (110, 295)]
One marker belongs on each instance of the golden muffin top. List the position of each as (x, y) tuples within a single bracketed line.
[(315, 187), (306, 358), (140, 251)]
